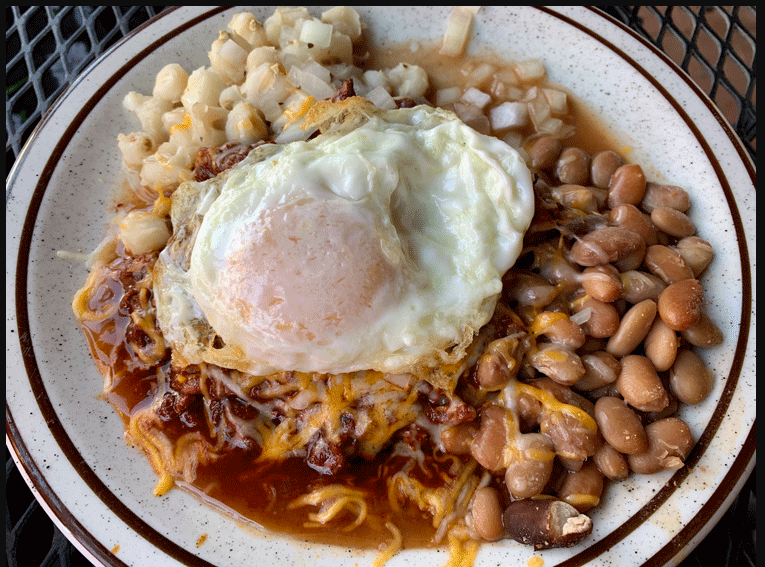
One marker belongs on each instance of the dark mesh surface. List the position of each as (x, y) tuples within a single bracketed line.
[(46, 48), (715, 45)]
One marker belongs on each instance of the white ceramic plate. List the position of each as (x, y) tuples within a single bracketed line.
[(69, 444)]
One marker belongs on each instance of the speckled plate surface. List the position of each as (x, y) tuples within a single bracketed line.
[(69, 444)]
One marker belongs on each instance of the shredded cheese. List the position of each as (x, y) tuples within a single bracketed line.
[(545, 320), (185, 124), (462, 551), (582, 501), (333, 500), (551, 403), (392, 548)]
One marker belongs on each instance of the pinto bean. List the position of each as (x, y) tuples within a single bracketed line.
[(498, 364), (559, 329), (573, 166), (705, 333), (528, 473), (639, 286), (630, 217), (488, 445), (633, 328), (670, 410), (673, 222), (528, 289), (486, 513), (545, 523), (571, 437), (576, 197), (457, 440), (602, 282), (667, 264), (558, 271), (603, 320), (558, 362), (611, 463), (680, 304), (600, 368), (689, 379), (627, 185), (572, 430), (669, 443), (620, 425), (602, 167), (660, 345), (640, 385), (544, 152), (606, 245), (582, 488), (570, 464), (658, 195), (696, 252)]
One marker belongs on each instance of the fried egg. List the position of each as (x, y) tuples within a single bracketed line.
[(378, 245)]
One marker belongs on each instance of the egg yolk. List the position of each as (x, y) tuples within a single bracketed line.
[(308, 271)]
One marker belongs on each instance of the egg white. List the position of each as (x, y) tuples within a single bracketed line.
[(377, 248)]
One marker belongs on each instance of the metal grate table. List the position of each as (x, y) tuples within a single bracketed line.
[(47, 47)]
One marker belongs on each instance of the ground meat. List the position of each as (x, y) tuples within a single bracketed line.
[(131, 270), (185, 380), (166, 410), (191, 411), (414, 436), (137, 338), (212, 161), (323, 456), (133, 275), (405, 102), (441, 408), (345, 91)]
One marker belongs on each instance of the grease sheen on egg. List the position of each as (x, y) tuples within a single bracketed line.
[(375, 248)]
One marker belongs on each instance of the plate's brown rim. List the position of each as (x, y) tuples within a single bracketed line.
[(54, 504)]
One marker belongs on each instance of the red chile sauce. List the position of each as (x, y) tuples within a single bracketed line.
[(254, 491)]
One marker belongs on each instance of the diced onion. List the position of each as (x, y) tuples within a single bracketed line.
[(381, 98), (448, 95), (457, 30), (582, 317), (508, 115), (400, 380), (513, 138), (316, 33), (480, 74), (233, 53), (293, 133), (556, 127), (530, 70), (539, 110), (320, 71), (476, 97), (473, 117), (310, 83), (507, 75), (557, 100)]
